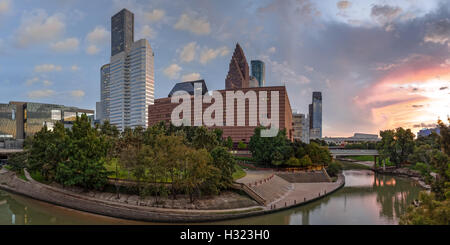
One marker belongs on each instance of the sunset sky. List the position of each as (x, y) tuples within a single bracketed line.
[(379, 64)]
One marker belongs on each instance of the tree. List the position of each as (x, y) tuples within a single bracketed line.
[(242, 145), (86, 151), (229, 143), (445, 136), (224, 161), (305, 161), (270, 150), (396, 145), (293, 161)]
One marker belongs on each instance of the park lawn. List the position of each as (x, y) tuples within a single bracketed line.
[(122, 173), (238, 172), (351, 166), (362, 158)]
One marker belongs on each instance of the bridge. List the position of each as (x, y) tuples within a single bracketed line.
[(336, 152)]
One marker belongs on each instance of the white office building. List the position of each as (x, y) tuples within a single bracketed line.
[(128, 86)]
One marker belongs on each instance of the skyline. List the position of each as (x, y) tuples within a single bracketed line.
[(378, 66)]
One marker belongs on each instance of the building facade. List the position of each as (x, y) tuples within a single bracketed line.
[(259, 72), (315, 114), (19, 120), (128, 80), (122, 32), (301, 127), (356, 138), (238, 75), (162, 111)]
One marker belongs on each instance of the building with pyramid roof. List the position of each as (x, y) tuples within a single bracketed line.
[(239, 73)]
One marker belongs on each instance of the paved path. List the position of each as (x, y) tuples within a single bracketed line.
[(304, 192), (255, 175)]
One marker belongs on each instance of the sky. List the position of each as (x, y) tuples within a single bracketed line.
[(379, 64)]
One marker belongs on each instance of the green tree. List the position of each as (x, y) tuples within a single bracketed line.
[(224, 161), (229, 143), (242, 145), (293, 161), (305, 161), (396, 145), (86, 151), (445, 136)]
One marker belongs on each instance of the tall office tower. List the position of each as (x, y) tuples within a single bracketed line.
[(122, 32), (239, 74), (142, 82), (310, 115), (103, 108), (131, 75), (259, 72), (316, 116)]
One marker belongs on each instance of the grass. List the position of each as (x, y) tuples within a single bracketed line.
[(352, 166), (362, 158), (238, 172), (21, 175)]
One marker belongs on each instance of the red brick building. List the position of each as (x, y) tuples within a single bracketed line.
[(162, 109)]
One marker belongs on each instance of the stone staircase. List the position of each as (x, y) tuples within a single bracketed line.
[(273, 189)]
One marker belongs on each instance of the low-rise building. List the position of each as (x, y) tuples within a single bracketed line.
[(19, 120), (356, 138), (162, 111)]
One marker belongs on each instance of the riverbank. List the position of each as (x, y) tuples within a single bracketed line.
[(57, 196), (401, 172)]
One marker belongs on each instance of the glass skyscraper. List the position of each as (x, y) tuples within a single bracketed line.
[(127, 83), (315, 116), (122, 32), (259, 72)]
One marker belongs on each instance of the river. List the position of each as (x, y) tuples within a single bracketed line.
[(366, 199)]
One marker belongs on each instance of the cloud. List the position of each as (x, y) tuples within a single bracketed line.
[(37, 27), (38, 94), (47, 83), (309, 68), (5, 6), (341, 5), (155, 15), (425, 125), (173, 71), (198, 26), (92, 49), (147, 32), (47, 68), (188, 52), (208, 54), (32, 81), (77, 93), (67, 45), (75, 68), (438, 32), (191, 77), (385, 15), (271, 50), (97, 37)]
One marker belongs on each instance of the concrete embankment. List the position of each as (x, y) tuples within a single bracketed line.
[(33, 189)]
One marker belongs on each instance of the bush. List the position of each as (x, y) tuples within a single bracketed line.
[(305, 161), (334, 168), (293, 161)]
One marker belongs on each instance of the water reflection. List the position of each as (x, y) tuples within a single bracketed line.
[(367, 198)]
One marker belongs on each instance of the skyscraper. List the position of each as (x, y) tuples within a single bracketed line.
[(122, 32), (259, 72), (239, 74), (301, 127), (128, 81), (315, 113), (103, 108)]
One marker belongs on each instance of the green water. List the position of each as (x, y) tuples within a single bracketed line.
[(365, 199)]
